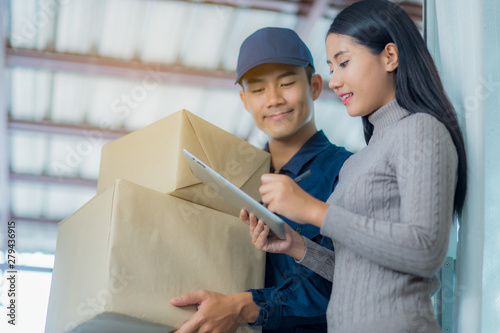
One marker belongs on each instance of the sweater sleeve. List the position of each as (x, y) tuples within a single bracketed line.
[(424, 160), (318, 259)]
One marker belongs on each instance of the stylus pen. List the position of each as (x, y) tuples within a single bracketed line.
[(299, 178), (303, 176)]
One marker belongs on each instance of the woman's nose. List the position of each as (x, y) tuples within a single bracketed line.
[(335, 82)]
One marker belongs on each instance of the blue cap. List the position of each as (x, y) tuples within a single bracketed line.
[(272, 45)]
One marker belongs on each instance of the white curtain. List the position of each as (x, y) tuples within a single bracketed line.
[(491, 260), (464, 37)]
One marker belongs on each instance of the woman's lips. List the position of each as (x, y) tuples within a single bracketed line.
[(346, 98)]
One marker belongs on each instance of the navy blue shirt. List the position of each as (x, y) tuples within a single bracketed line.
[(295, 298)]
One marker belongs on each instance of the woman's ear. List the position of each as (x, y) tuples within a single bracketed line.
[(391, 57)]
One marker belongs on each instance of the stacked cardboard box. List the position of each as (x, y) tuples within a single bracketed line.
[(153, 232)]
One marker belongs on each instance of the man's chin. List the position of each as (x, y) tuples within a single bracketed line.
[(281, 136)]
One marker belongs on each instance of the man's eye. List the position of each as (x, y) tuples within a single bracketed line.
[(287, 84), (256, 91)]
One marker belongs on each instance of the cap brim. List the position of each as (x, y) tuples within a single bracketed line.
[(277, 60)]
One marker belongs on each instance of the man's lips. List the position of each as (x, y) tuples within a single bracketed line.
[(278, 114)]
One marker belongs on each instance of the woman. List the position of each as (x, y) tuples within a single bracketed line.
[(391, 212)]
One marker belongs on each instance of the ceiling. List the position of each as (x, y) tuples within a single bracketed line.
[(80, 73)]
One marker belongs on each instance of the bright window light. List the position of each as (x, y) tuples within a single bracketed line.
[(32, 290)]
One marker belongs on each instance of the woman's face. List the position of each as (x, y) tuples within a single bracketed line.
[(363, 81)]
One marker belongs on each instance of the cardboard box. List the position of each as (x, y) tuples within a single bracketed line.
[(152, 157), (123, 255)]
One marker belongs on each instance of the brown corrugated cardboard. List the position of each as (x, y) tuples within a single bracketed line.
[(123, 255), (152, 157)]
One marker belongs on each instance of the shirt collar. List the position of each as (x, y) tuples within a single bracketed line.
[(386, 116), (316, 144)]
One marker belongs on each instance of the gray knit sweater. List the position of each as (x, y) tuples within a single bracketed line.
[(390, 219)]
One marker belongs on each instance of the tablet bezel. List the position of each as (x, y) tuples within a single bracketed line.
[(234, 195)]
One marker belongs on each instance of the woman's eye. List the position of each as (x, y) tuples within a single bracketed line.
[(344, 64)]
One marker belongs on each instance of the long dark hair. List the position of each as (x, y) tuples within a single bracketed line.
[(374, 24)]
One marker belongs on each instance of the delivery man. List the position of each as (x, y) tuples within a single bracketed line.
[(276, 72)]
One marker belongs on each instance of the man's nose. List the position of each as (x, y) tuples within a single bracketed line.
[(274, 96)]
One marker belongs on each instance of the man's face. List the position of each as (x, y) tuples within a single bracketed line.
[(280, 98)]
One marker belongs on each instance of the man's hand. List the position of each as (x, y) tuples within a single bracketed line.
[(217, 313)]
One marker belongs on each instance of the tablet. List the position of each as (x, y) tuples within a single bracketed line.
[(234, 195)]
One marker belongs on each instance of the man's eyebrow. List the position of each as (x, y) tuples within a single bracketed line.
[(289, 73), (282, 75), (254, 80)]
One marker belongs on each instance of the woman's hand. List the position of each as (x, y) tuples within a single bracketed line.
[(264, 240), (281, 195)]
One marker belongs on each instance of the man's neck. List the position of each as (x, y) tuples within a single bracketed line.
[(282, 150)]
